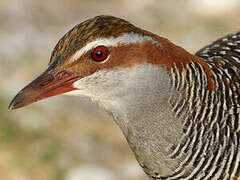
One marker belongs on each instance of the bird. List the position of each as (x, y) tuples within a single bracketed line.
[(179, 112)]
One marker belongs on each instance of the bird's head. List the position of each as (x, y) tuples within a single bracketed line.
[(100, 56)]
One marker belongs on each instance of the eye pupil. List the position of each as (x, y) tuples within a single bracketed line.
[(100, 54)]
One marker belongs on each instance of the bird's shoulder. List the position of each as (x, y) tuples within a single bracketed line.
[(223, 58), (223, 54)]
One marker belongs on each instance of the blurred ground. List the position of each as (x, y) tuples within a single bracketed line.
[(69, 138)]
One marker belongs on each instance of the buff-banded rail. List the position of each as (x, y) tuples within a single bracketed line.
[(179, 112)]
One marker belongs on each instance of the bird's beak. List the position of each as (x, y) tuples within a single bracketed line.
[(50, 83)]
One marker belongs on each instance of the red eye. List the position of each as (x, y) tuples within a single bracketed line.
[(99, 54)]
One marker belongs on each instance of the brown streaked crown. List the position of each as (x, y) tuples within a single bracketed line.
[(100, 26)]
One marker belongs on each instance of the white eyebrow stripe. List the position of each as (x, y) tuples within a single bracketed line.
[(111, 41)]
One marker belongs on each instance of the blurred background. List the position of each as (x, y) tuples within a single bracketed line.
[(70, 138)]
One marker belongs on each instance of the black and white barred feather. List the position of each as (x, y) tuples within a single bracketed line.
[(210, 147)]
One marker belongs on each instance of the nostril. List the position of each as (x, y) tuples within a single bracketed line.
[(47, 80), (61, 75)]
